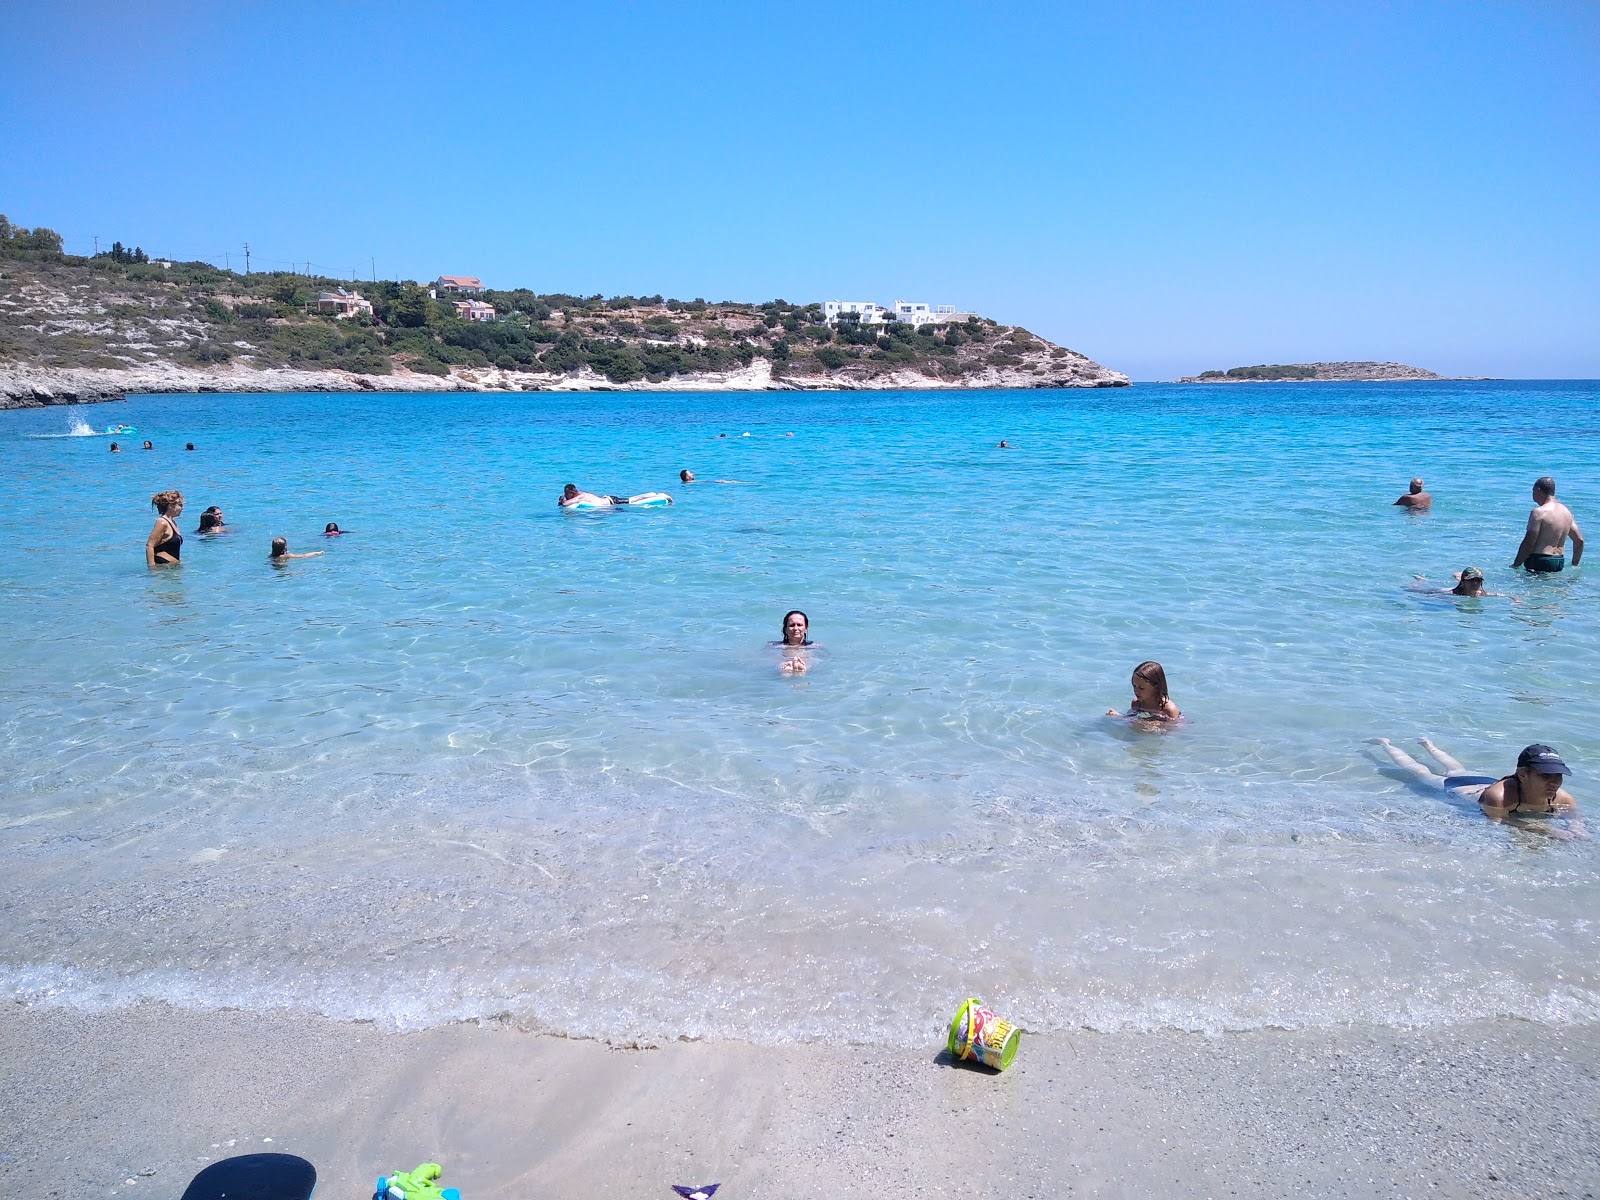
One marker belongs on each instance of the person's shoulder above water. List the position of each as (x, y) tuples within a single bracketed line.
[(1150, 699), (1416, 498), (1534, 790), (280, 551)]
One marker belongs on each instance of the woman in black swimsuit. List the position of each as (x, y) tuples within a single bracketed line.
[(1534, 790), (165, 543)]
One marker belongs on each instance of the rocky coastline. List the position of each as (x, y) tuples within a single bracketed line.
[(25, 385)]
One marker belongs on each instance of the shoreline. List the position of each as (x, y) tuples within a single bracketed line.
[(25, 386), (149, 1094)]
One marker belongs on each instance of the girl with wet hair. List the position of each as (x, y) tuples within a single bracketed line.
[(165, 544), (1150, 699)]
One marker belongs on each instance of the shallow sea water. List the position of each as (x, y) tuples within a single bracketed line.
[(485, 759)]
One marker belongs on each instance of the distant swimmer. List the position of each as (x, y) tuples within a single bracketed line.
[(1469, 582), (1004, 445), (687, 476), (280, 550), (149, 445), (211, 521), (796, 643), (188, 445), (331, 529), (1533, 790), (1416, 498), (164, 546), (1543, 548), (116, 449), (1150, 699), (571, 497)]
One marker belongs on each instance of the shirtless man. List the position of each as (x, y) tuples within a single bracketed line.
[(1550, 523), (570, 496), (1416, 498)]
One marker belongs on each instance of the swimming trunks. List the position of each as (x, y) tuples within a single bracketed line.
[(617, 499), (173, 545), (1545, 564)]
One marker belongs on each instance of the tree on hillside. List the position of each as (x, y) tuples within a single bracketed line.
[(411, 308)]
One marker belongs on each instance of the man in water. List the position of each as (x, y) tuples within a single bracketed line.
[(570, 496), (686, 475), (1416, 498), (1550, 523)]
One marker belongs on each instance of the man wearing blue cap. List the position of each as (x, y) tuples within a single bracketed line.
[(1534, 791)]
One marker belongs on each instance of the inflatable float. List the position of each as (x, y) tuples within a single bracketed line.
[(642, 500)]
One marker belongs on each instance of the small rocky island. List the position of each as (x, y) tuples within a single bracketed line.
[(1320, 372), (77, 330)]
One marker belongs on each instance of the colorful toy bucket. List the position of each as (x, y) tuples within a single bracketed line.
[(977, 1033)]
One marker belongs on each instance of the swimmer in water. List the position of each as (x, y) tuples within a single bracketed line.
[(1150, 699), (164, 546), (188, 446), (1469, 582), (116, 449), (570, 495), (796, 642), (1533, 790), (211, 521), (1003, 445), (280, 550), (686, 476), (149, 445), (331, 529), (1416, 499)]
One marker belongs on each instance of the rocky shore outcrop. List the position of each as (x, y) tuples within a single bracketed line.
[(26, 386)]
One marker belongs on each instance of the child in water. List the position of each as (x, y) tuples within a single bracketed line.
[(1150, 699)]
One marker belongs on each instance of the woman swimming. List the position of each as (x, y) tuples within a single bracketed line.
[(331, 529), (1533, 790), (796, 641), (211, 521), (165, 543), (1150, 699)]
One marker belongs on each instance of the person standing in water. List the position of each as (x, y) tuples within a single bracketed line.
[(1150, 699), (164, 546), (1416, 499), (1544, 546)]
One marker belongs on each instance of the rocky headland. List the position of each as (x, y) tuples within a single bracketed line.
[(82, 331)]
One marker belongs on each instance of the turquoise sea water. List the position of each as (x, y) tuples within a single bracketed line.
[(488, 759)]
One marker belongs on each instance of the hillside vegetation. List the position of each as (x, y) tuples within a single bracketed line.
[(119, 312)]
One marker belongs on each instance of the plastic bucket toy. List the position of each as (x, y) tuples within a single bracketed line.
[(977, 1033)]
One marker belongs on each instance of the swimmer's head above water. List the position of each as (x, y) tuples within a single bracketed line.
[(1470, 583), (686, 475), (796, 628)]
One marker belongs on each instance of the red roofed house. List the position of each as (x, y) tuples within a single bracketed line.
[(465, 285)]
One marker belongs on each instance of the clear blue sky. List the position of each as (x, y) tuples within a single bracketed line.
[(1164, 187)]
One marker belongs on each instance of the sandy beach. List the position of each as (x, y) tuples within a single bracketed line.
[(133, 1102)]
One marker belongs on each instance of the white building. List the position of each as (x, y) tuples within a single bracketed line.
[(866, 310), (908, 313), (344, 305), (461, 285)]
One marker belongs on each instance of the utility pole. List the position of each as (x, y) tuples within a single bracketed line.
[(247, 258), (97, 255), (375, 280), (227, 262)]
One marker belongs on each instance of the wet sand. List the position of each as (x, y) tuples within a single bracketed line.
[(149, 1095)]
